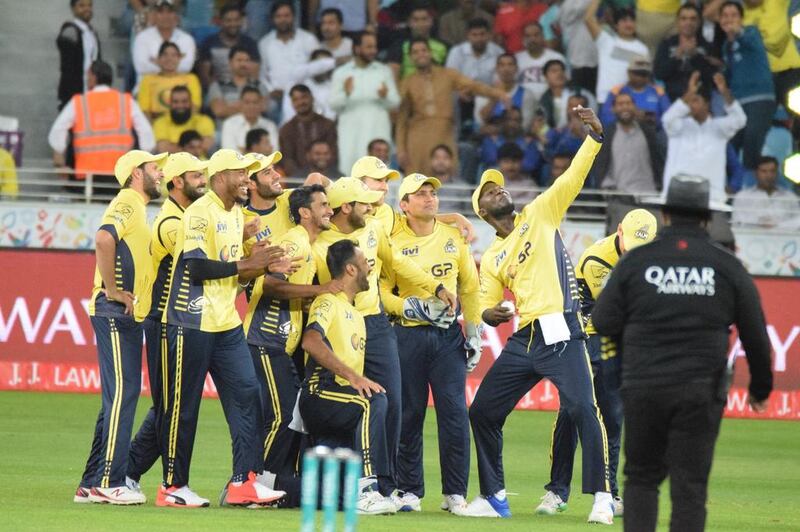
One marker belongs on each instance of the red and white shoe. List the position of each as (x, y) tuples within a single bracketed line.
[(251, 492), (122, 495), (182, 497), (81, 495)]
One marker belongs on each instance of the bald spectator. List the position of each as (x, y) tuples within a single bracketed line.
[(214, 54), (148, 41), (306, 127), (532, 59), (235, 127), (454, 25)]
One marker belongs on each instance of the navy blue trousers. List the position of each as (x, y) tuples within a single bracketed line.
[(430, 356), (119, 354), (524, 361), (145, 447), (278, 389), (565, 432), (191, 355), (382, 365)]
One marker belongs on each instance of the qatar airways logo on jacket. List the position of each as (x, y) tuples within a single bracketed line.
[(682, 280)]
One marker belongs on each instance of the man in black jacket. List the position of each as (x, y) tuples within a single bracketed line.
[(670, 305), (78, 47)]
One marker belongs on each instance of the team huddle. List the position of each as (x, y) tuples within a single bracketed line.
[(352, 316)]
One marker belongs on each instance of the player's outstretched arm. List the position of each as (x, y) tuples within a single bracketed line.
[(314, 344)]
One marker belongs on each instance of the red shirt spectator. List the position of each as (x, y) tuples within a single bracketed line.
[(511, 19)]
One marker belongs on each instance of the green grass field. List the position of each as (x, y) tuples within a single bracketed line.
[(44, 439)]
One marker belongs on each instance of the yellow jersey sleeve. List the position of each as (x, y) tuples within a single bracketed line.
[(392, 304), (491, 289), (167, 233), (468, 285), (120, 217), (321, 314), (404, 267), (595, 272), (197, 235)]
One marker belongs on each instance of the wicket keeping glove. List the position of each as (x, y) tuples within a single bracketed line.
[(431, 310), (473, 345)]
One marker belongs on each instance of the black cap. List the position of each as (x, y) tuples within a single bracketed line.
[(689, 193)]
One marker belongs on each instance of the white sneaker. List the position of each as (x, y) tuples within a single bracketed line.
[(551, 504), (455, 504), (482, 507), (373, 503), (182, 497), (81, 495), (602, 513), (122, 495), (619, 507), (407, 502), (133, 485)]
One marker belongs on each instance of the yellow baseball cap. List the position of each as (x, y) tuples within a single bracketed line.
[(265, 161), (369, 166), (125, 164), (638, 227), (182, 162), (347, 189), (488, 176), (226, 159), (413, 182)]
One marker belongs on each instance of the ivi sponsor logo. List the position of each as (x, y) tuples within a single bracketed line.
[(682, 280), (499, 258), (411, 252)]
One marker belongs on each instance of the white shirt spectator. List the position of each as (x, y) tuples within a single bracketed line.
[(321, 93), (578, 42), (236, 127), (699, 149), (145, 51), (345, 48), (755, 207), (614, 54), (90, 47), (280, 59), (531, 69), (59, 131), (478, 67)]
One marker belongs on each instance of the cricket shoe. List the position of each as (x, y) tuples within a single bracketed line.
[(133, 485), (182, 497), (602, 513), (490, 506), (371, 502), (455, 504), (81, 495), (406, 501), (619, 507), (121, 495), (551, 504), (251, 492)]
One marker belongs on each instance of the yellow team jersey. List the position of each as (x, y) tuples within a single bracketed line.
[(448, 259), (126, 219), (771, 20), (388, 217), (210, 232), (532, 260), (162, 248), (594, 266), (342, 326), (274, 222), (374, 242), (277, 324)]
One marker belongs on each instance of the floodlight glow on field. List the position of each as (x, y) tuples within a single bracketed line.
[(796, 26), (791, 168)]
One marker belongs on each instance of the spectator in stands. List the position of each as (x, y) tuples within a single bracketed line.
[(420, 26), (357, 15), (772, 21), (779, 143), (532, 59), (258, 140), (454, 26), (168, 127), (330, 28), (558, 166), (190, 141), (510, 20), (213, 62), (363, 92), (509, 162), (750, 80), (511, 131), (681, 54), (320, 86), (553, 103), (631, 158), (235, 127), (306, 127), (78, 47), (285, 49), (9, 188), (567, 139), (579, 44), (766, 204), (154, 89), (443, 168), (148, 41), (656, 19), (381, 149), (425, 117), (649, 99), (697, 140), (476, 58), (519, 96), (320, 158), (107, 134), (224, 97), (615, 48)]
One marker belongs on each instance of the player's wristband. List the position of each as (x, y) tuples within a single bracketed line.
[(599, 138)]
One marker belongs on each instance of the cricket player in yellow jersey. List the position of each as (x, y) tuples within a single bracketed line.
[(267, 200), (351, 202), (274, 325), (637, 227), (337, 401), (529, 258), (434, 355), (119, 303), (186, 180), (204, 334)]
